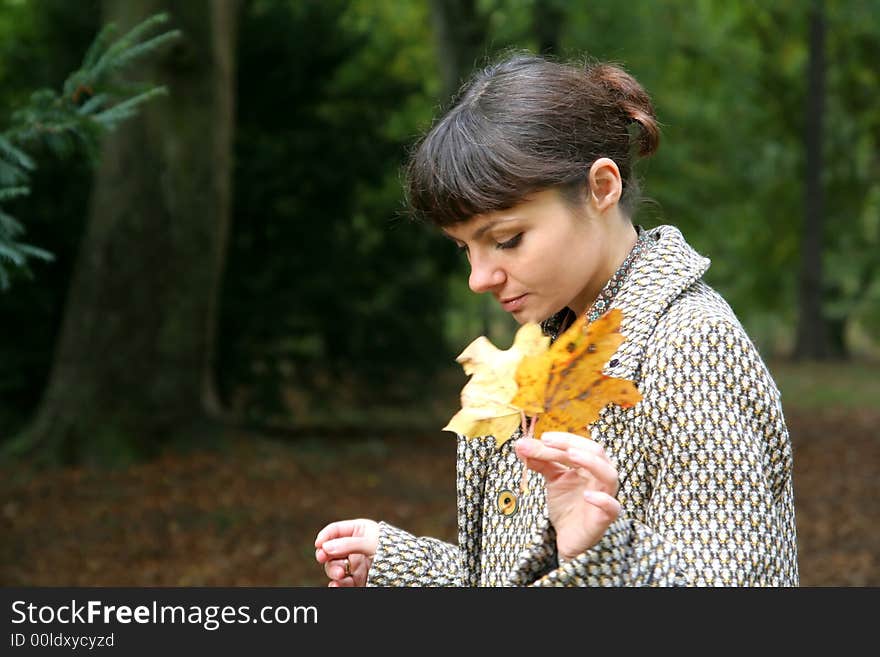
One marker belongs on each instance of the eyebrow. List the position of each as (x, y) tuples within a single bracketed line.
[(482, 229)]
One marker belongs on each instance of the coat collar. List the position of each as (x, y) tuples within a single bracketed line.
[(659, 276), (656, 279)]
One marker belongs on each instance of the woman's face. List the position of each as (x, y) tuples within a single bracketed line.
[(539, 256)]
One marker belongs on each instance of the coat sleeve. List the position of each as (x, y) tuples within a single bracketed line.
[(403, 559), (719, 511)]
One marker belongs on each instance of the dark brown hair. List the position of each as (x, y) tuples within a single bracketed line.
[(525, 124)]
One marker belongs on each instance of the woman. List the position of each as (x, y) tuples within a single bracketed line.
[(530, 173)]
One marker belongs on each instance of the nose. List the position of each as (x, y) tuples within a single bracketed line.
[(485, 275)]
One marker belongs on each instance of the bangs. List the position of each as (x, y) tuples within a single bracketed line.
[(465, 167), (522, 126)]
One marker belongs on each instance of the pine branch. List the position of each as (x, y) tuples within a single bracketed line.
[(92, 102), (7, 193), (126, 109), (9, 227), (15, 156)]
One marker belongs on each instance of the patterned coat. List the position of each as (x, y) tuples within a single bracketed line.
[(704, 462)]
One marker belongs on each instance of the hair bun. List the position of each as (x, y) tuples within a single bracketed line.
[(632, 100)]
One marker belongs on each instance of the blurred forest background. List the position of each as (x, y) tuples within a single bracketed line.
[(242, 336)]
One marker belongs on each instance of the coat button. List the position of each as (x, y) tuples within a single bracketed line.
[(507, 503)]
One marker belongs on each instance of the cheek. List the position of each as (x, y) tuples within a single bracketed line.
[(560, 265), (567, 272)]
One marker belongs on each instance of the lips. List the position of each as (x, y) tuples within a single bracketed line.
[(511, 304)]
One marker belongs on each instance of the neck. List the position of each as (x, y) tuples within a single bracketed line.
[(622, 242)]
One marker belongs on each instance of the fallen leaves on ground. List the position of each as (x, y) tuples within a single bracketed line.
[(248, 515)]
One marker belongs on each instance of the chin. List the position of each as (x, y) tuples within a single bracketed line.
[(526, 317)]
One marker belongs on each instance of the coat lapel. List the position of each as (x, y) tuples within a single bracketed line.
[(660, 275), (663, 272)]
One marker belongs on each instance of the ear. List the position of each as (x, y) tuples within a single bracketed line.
[(606, 185)]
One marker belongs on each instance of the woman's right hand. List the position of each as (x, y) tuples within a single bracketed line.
[(352, 540)]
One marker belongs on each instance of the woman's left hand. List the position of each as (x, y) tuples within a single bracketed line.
[(581, 487)]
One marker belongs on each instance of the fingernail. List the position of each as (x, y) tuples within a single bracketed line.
[(551, 439)]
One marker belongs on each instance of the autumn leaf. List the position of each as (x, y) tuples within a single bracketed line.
[(564, 385), (485, 399), (561, 387)]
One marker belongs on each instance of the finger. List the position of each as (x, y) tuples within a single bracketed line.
[(529, 448), (339, 548), (602, 471), (568, 441), (546, 465), (550, 469), (564, 440), (321, 556), (342, 583), (336, 529), (335, 569), (607, 504)]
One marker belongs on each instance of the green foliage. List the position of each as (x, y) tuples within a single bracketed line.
[(15, 166), (812, 386), (92, 101), (41, 42), (326, 281), (853, 164), (729, 85)]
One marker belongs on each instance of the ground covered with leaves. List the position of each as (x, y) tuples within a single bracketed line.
[(246, 514)]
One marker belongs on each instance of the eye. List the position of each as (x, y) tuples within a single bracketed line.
[(511, 243)]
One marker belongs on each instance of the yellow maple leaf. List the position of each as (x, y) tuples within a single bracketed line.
[(485, 399), (564, 385)]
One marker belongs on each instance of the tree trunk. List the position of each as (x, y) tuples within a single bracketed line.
[(460, 33), (129, 373), (547, 18), (224, 24), (812, 335)]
